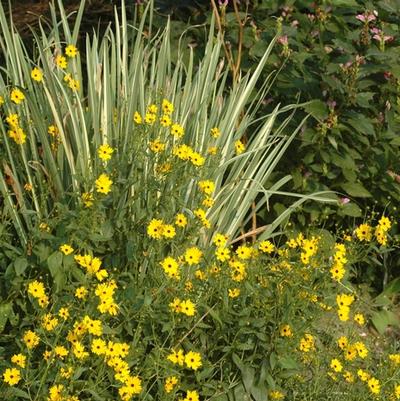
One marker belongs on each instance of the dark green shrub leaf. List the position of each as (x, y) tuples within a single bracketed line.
[(356, 189)]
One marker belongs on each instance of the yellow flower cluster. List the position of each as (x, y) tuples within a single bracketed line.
[(16, 133), (339, 261), (187, 307), (92, 265), (364, 231), (344, 301), (37, 290), (157, 229), (307, 343), (105, 292), (192, 359)]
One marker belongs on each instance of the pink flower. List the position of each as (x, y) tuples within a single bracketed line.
[(283, 40), (368, 16)]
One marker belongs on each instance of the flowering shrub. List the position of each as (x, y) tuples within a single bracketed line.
[(343, 56)]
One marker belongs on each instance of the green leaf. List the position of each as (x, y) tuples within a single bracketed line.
[(57, 272), (383, 319), (20, 265), (317, 109), (6, 311), (356, 189), (364, 99), (351, 209), (17, 392), (288, 363)]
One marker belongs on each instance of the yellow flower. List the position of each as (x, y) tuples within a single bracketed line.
[(37, 75), (348, 376), (364, 232), (177, 357), (71, 51), (175, 305), (395, 358), (137, 118), (87, 199), (36, 289), (93, 326), (233, 292), (359, 318), (364, 376), (286, 331), (212, 150), (350, 353), (103, 184), (167, 107), (193, 360), (188, 307), (60, 351), (155, 228), (362, 350), (165, 121), (53, 130), (180, 220), (12, 376), (220, 239), (74, 84), (13, 120), (31, 339), (81, 292), (150, 118), (215, 132), (64, 313), (156, 146), (276, 395), (17, 96), (168, 231), (18, 135), (239, 147), (49, 322), (66, 249), (374, 385), (266, 247), (396, 391), (206, 186), (208, 202), (197, 159), (133, 385), (105, 151), (61, 62), (193, 256), (336, 365), (343, 342), (344, 300), (191, 396), (170, 383), (343, 313), (152, 108), (55, 392), (244, 252), (385, 223), (177, 130), (79, 350), (99, 346), (171, 267), (222, 254), (19, 359)]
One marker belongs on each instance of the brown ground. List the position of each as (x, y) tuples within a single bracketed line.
[(26, 13)]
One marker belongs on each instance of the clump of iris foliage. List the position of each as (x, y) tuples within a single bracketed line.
[(130, 265)]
